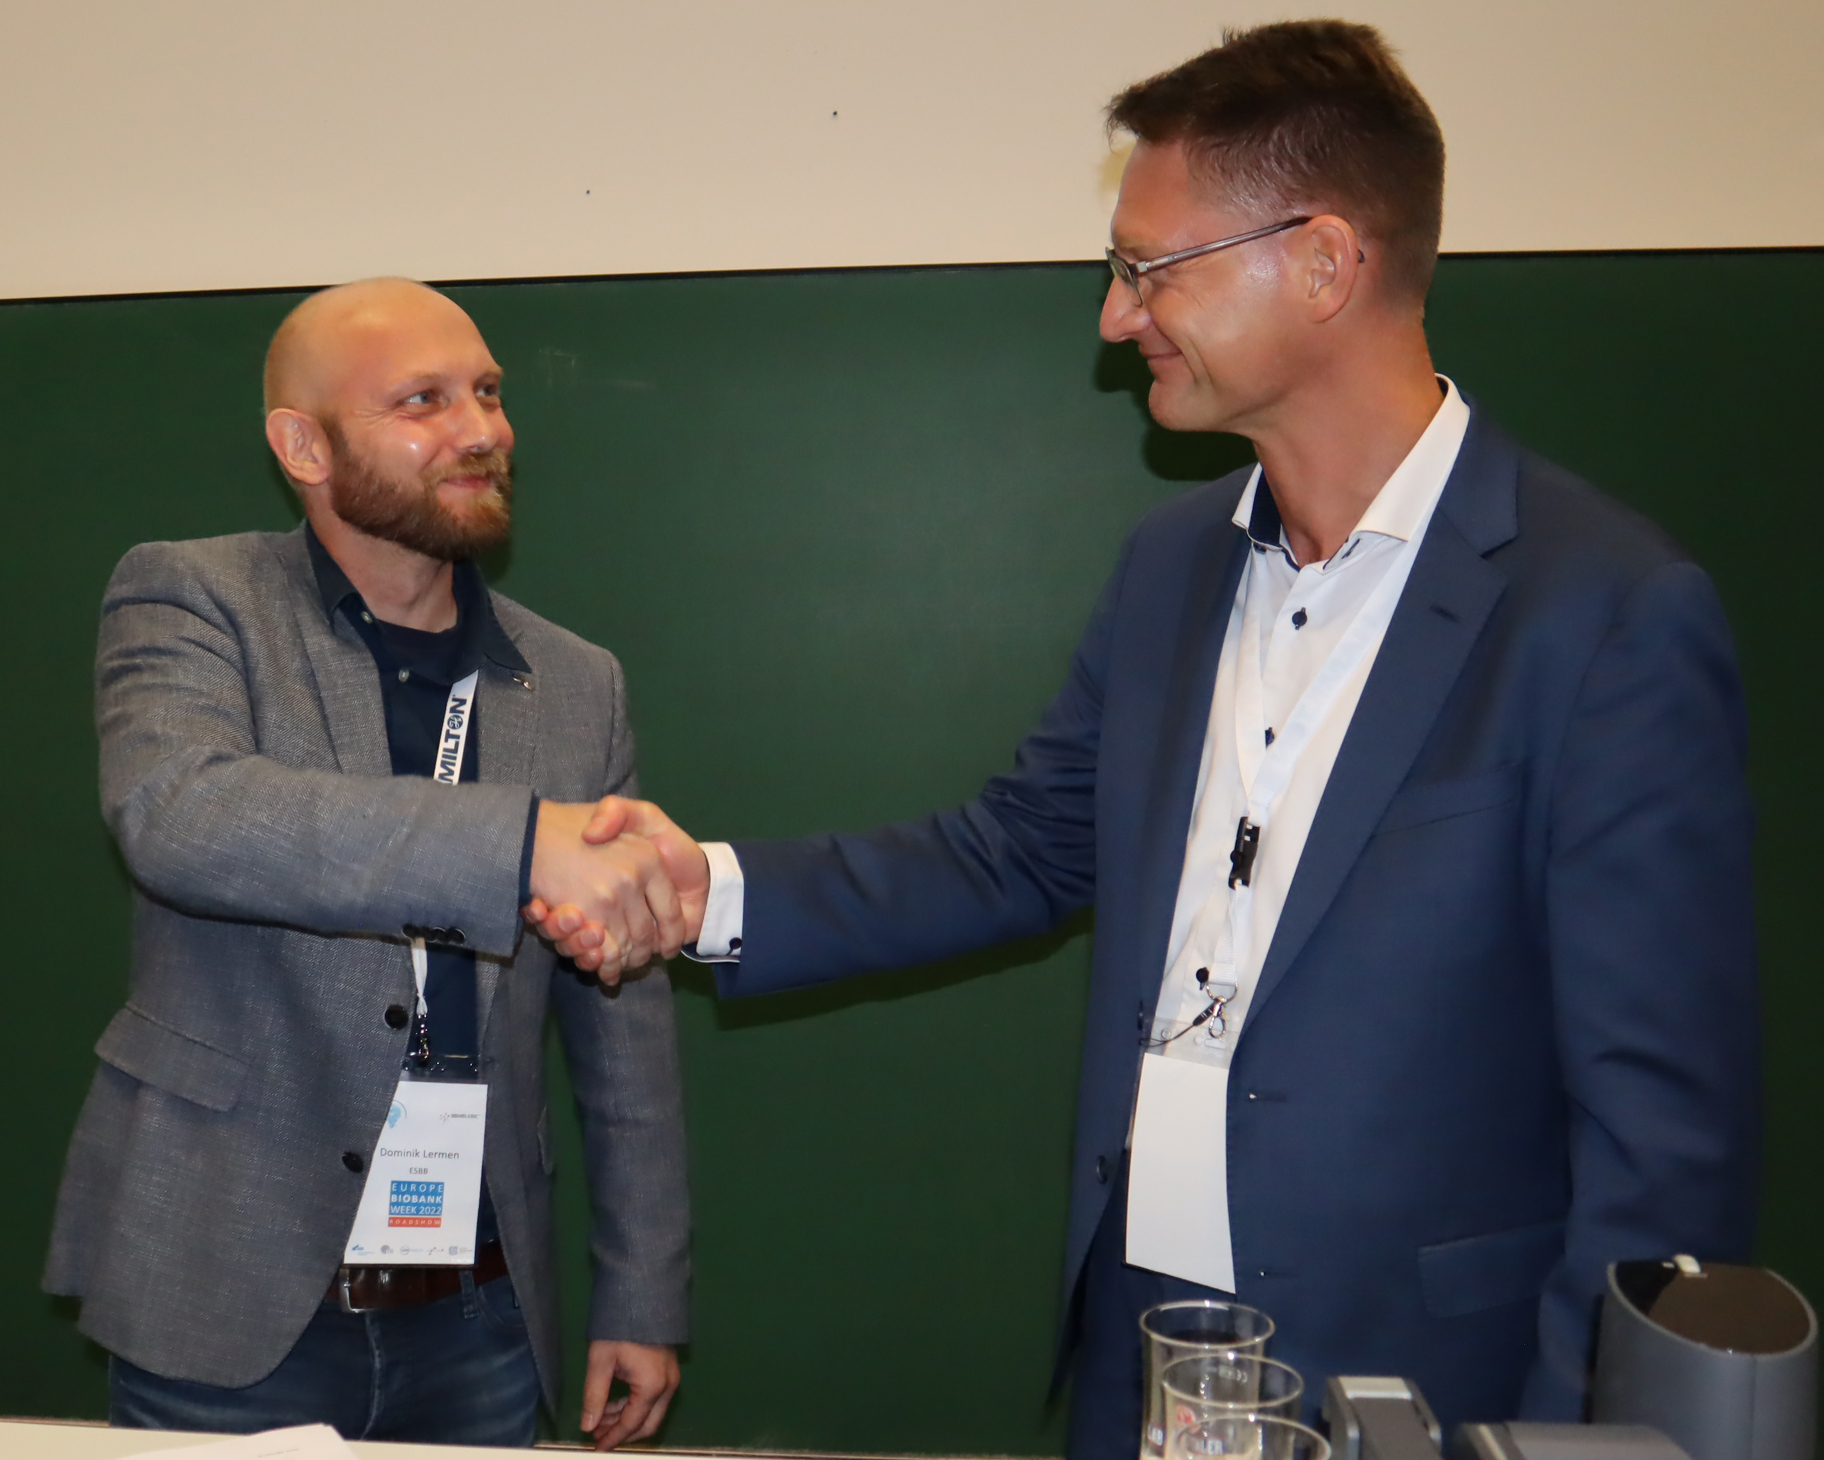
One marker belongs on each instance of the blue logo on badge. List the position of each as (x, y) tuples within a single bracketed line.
[(395, 1115), (415, 1204)]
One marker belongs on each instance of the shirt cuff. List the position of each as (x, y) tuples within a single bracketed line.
[(720, 938), (525, 854)]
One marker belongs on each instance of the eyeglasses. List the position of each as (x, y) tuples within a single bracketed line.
[(1130, 273)]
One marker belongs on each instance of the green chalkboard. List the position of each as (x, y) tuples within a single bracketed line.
[(843, 529)]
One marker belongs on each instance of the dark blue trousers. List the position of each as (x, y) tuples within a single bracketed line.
[(455, 1372)]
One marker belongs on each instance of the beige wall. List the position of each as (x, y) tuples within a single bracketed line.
[(193, 144)]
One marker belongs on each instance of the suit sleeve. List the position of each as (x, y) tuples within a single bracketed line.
[(210, 826), (622, 1051), (1009, 864), (1650, 921)]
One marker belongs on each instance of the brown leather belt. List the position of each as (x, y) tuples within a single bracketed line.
[(366, 1289)]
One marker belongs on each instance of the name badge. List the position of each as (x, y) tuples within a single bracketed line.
[(1178, 1173), (423, 1192)]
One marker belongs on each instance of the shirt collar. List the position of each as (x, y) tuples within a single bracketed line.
[(1400, 508), (474, 606), (1258, 514)]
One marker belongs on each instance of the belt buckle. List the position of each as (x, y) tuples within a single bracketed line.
[(344, 1279)]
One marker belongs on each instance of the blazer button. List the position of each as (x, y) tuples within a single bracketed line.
[(458, 936), (395, 1016), (353, 1161), (1102, 1170)]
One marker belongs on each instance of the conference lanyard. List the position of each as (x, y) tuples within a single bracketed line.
[(1268, 755), (421, 1202), (1267, 758), (458, 715)]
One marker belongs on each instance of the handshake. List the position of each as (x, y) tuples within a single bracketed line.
[(615, 884)]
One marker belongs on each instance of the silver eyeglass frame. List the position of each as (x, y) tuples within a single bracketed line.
[(1131, 272)]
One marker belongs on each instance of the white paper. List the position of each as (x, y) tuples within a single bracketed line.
[(299, 1442), (423, 1191), (1178, 1173)]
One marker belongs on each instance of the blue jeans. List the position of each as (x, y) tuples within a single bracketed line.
[(455, 1372)]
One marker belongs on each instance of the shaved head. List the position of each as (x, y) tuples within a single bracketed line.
[(310, 354), (383, 408)]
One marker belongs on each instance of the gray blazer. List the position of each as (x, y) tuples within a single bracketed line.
[(275, 860)]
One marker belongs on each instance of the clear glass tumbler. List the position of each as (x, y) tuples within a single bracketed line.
[(1230, 1383), (1187, 1329), (1246, 1437)]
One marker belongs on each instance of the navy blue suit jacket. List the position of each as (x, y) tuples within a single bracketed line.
[(1506, 1032)]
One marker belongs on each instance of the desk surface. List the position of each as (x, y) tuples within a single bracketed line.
[(64, 1440), (31, 1439)]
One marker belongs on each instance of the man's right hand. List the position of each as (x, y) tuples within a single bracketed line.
[(615, 821), (615, 888)]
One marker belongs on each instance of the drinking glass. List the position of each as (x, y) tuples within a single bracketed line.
[(1228, 1383), (1187, 1329), (1246, 1437)]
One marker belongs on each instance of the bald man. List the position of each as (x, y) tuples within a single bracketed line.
[(311, 1181)]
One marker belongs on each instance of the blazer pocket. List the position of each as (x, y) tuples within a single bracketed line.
[(1474, 1273), (1459, 796), (158, 1055)]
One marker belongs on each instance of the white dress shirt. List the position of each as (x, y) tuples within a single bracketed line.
[(1303, 613), (1300, 643)]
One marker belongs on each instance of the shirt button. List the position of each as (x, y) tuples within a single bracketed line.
[(1300, 619), (366, 617), (404, 674), (353, 1161), (395, 1016), (1102, 1169)]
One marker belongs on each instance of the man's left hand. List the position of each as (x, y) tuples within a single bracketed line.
[(651, 1375)]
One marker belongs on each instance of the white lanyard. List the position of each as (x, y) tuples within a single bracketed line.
[(1266, 770), (421, 1201), (458, 715), (1178, 1185)]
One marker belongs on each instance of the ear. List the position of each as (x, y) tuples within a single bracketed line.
[(1334, 257), (300, 445)]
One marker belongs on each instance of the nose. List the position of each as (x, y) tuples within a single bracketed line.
[(482, 427), (1123, 316)]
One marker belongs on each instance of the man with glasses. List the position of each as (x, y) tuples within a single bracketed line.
[(1405, 774)]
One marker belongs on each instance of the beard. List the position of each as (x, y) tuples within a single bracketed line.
[(411, 513)]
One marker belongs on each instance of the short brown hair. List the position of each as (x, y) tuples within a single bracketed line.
[(1308, 116)]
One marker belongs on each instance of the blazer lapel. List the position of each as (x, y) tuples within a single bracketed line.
[(347, 686), (1441, 612), (1184, 724), (506, 729)]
